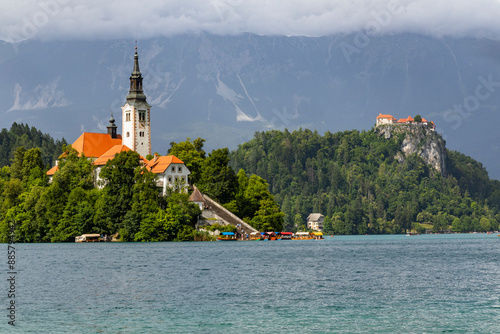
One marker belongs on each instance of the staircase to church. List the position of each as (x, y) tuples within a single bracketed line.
[(228, 216)]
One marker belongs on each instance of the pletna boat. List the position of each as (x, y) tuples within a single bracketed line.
[(256, 236), (226, 236), (271, 236), (88, 238), (302, 236), (317, 235)]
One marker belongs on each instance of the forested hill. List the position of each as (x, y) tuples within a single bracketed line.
[(22, 135), (360, 183)]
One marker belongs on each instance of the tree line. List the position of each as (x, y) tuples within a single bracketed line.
[(128, 202), (354, 179), (29, 137)]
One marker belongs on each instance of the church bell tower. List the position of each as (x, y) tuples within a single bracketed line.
[(136, 122)]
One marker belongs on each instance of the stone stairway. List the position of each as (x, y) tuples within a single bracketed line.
[(228, 216)]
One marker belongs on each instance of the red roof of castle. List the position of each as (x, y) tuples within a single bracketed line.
[(402, 120), (405, 120), (385, 116)]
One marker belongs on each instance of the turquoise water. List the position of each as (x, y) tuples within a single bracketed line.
[(358, 284)]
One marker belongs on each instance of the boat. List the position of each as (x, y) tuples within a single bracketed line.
[(317, 235), (227, 236), (88, 238), (256, 236), (302, 236), (271, 236), (286, 235)]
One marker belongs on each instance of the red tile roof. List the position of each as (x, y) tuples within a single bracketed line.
[(385, 116), (162, 163), (94, 145), (405, 120), (111, 153), (53, 170), (402, 120)]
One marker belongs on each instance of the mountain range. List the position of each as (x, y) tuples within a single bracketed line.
[(225, 88)]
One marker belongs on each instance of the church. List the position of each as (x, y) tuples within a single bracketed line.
[(136, 136)]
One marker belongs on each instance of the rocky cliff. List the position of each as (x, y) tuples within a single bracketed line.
[(419, 139)]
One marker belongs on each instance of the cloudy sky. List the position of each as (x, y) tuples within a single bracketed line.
[(115, 19)]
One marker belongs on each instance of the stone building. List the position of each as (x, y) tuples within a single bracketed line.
[(315, 221)]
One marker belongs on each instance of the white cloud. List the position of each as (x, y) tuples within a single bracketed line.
[(43, 96), (96, 19)]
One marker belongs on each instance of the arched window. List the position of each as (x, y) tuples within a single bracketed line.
[(128, 134)]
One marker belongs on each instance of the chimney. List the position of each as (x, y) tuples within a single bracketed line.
[(156, 157)]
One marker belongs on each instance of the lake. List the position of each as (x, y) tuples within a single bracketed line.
[(344, 284)]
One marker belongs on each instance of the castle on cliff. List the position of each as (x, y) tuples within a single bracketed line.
[(384, 119)]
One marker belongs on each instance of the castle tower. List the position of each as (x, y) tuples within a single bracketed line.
[(136, 122)]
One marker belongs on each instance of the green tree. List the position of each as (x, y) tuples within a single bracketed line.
[(248, 195), (176, 222), (268, 217), (440, 223), (457, 225), (33, 228), (12, 191), (217, 178), (27, 166), (74, 171), (119, 178), (16, 169), (192, 154), (485, 224), (78, 216), (146, 200)]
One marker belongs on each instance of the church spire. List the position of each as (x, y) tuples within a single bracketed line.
[(136, 116), (136, 93), (136, 70)]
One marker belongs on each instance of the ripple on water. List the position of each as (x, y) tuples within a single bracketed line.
[(342, 284)]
